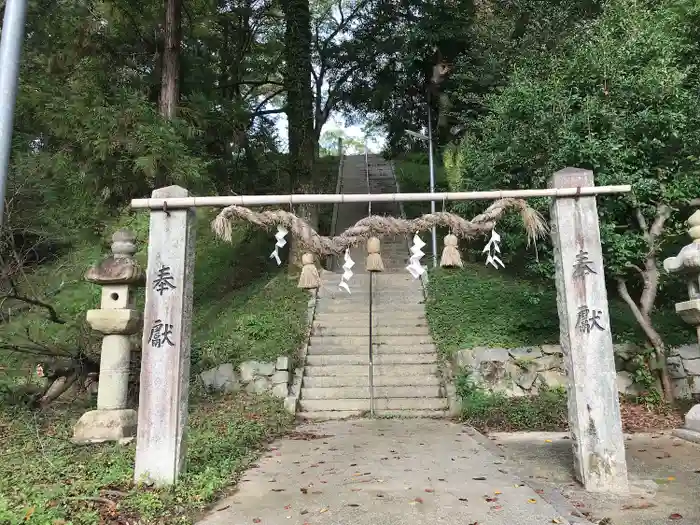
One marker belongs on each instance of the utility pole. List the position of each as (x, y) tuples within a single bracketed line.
[(10, 49)]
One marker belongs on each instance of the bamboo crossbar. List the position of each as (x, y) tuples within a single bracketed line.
[(307, 198)]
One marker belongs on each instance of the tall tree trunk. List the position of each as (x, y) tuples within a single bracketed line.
[(300, 119), (170, 80), (299, 95)]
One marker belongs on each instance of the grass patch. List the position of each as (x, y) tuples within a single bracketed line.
[(494, 412), (45, 479), (478, 306)]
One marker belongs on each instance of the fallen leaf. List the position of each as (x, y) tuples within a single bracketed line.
[(303, 511), (28, 514), (496, 507), (287, 507), (278, 490), (532, 500), (547, 440), (675, 516), (556, 520), (304, 490), (539, 491), (463, 499), (256, 520), (497, 492), (324, 509), (489, 499), (418, 500), (479, 478), (671, 478), (429, 490), (353, 505)]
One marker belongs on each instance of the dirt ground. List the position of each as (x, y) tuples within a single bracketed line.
[(664, 473)]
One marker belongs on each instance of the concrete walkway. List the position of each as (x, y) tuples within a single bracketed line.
[(382, 472)]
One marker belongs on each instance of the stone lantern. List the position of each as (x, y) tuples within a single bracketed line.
[(117, 318), (687, 264)]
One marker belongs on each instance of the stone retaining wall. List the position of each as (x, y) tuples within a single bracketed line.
[(252, 376), (522, 371)]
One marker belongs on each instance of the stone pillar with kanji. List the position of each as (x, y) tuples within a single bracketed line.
[(586, 340), (687, 264), (165, 360), (117, 318)]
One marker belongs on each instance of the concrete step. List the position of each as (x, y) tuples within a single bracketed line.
[(361, 308), (384, 318), (394, 300), (379, 370), (381, 282), (379, 340), (351, 392), (408, 414), (380, 359), (363, 381), (403, 403), (359, 330), (328, 415), (347, 414), (378, 350)]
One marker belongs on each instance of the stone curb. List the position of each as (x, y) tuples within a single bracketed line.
[(291, 402)]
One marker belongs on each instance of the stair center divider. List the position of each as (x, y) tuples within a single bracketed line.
[(369, 316)]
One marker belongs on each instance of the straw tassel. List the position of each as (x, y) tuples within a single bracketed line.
[(309, 278), (374, 259), (450, 253)]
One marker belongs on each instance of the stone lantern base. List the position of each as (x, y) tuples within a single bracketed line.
[(691, 430), (98, 426)]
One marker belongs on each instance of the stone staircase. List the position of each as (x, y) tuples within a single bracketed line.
[(336, 382)]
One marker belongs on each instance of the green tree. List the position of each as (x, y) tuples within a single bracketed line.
[(619, 97)]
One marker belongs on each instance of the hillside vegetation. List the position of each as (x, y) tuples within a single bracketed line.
[(481, 306), (245, 307)]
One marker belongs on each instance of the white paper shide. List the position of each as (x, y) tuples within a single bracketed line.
[(347, 272), (281, 243), (493, 250), (415, 268)]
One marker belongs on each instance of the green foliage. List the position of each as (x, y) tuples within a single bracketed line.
[(619, 97), (494, 412), (243, 307), (478, 306), (44, 477)]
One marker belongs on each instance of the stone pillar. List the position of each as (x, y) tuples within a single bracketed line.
[(117, 318), (586, 341), (687, 264), (165, 363)]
